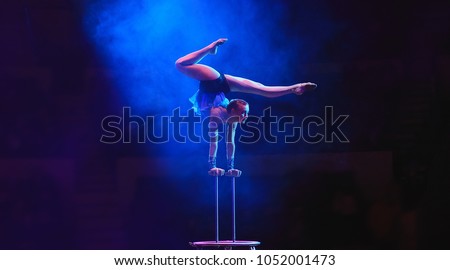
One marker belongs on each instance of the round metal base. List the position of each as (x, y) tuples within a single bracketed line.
[(225, 244)]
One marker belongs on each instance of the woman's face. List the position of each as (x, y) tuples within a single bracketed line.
[(240, 113)]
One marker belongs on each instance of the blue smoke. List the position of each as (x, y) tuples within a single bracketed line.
[(142, 39)]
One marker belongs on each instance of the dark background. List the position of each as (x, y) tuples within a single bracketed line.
[(386, 64)]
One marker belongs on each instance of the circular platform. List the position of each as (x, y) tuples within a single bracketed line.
[(226, 244)]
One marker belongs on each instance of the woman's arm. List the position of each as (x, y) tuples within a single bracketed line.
[(231, 149), (213, 141)]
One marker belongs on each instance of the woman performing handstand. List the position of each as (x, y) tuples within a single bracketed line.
[(210, 100)]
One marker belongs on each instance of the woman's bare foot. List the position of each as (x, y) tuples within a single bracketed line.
[(214, 46), (301, 88)]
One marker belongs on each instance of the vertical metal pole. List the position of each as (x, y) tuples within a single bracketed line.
[(233, 217), (217, 209)]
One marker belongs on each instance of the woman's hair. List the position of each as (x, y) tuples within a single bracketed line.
[(234, 103)]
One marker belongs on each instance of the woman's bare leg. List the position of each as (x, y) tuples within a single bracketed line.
[(189, 66), (238, 84)]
